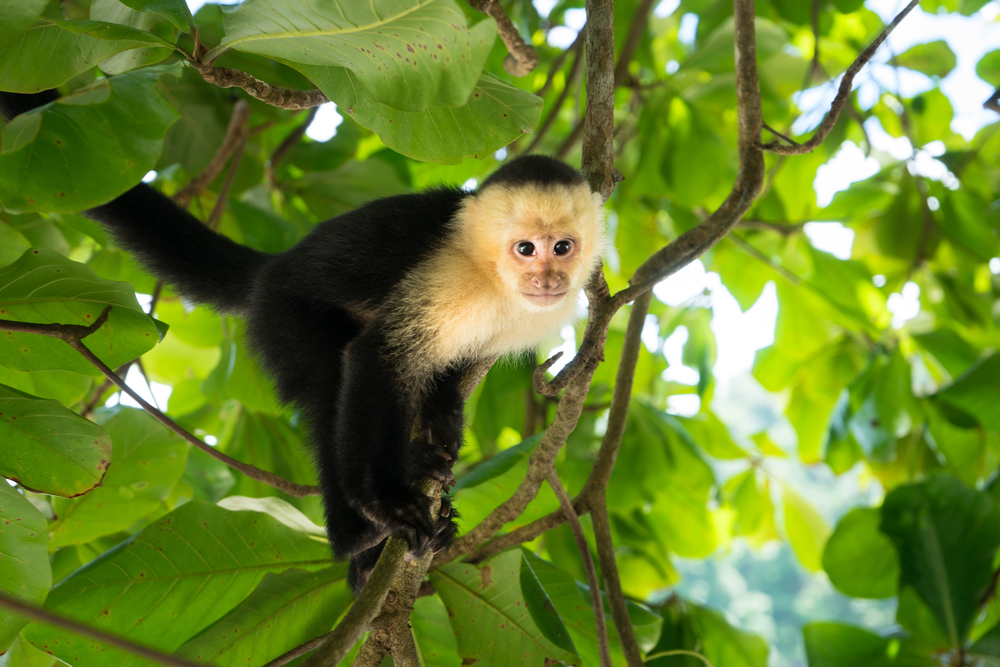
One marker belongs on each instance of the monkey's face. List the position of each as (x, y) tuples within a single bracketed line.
[(545, 262), (542, 242)]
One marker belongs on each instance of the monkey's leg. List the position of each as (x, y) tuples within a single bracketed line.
[(374, 419)]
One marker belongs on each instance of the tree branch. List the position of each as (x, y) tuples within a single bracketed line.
[(599, 122), (73, 335), (581, 38), (993, 104), (236, 135), (609, 568), (276, 96), (841, 99), (45, 616), (522, 57), (215, 217), (299, 650), (635, 33), (596, 599)]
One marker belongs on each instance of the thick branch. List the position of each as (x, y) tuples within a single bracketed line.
[(522, 57), (845, 89), (276, 96), (599, 122), (236, 135), (45, 616)]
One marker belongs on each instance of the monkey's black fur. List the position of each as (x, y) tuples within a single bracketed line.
[(313, 319)]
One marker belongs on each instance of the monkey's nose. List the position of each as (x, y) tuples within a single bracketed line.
[(545, 281)]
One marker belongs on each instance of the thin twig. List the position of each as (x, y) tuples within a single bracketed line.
[(45, 616), (73, 335), (279, 153), (236, 134), (276, 96), (773, 131), (215, 217), (581, 38), (679, 651), (815, 67), (302, 649), (609, 568), (596, 599), (574, 73), (636, 31), (845, 89), (993, 104)]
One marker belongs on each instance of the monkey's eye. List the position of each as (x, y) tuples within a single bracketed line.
[(562, 247), (526, 248)]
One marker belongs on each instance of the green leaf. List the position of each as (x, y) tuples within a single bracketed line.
[(175, 10), (987, 645), (988, 68), (24, 558), (806, 530), (332, 193), (48, 448), (411, 54), (43, 287), (489, 615), (495, 114), (23, 654), (975, 393), (18, 16), (147, 460), (70, 47), (175, 578), (946, 535), (542, 611), (839, 645), (114, 11), (432, 632), (285, 610), (932, 58), (725, 645), (859, 559), (86, 148)]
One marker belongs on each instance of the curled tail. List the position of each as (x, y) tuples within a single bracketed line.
[(173, 245)]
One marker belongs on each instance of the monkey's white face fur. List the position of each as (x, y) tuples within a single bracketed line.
[(509, 276)]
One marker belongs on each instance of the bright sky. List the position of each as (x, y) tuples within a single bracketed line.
[(739, 335)]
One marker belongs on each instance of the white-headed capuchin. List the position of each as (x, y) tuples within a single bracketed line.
[(369, 321)]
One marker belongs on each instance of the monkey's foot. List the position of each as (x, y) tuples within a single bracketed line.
[(407, 513), (446, 527)]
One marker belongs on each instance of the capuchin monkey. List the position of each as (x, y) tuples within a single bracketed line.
[(369, 322)]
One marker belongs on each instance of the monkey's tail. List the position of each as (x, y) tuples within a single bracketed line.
[(176, 247), (173, 245)]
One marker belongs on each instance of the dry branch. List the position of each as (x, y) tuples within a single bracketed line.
[(522, 58), (276, 96), (845, 89), (236, 135)]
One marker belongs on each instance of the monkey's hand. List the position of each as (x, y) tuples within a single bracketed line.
[(428, 459)]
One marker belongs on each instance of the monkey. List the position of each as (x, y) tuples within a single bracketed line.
[(368, 323)]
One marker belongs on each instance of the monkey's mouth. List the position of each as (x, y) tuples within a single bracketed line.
[(543, 299)]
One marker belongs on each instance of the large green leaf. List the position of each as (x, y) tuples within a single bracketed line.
[(175, 10), (86, 148), (23, 654), (146, 462), (411, 54), (860, 560), (495, 114), (114, 11), (285, 610), (725, 645), (177, 577), (432, 632), (946, 534), (70, 47), (18, 16), (806, 530), (43, 287), (489, 614), (932, 58), (988, 68), (24, 558), (976, 393), (50, 449), (839, 645)]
